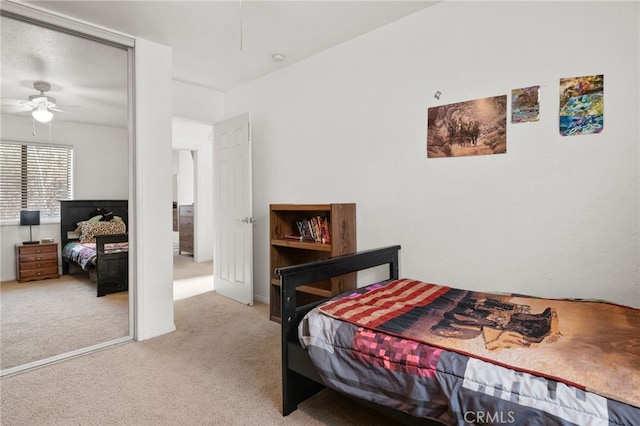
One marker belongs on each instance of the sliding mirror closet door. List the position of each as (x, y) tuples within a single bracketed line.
[(82, 83)]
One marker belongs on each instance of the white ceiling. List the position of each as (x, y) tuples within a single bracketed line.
[(88, 79), (215, 44)]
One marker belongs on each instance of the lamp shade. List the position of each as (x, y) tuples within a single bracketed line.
[(30, 217)]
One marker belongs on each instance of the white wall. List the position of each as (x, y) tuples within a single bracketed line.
[(555, 216), (197, 103), (152, 242), (184, 161), (104, 179)]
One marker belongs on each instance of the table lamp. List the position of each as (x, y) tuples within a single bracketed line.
[(30, 217)]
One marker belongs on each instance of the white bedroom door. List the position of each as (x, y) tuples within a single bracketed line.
[(233, 211)]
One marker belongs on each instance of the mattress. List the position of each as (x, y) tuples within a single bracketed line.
[(451, 386)]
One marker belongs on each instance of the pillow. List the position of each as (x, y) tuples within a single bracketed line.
[(89, 230), (93, 219)]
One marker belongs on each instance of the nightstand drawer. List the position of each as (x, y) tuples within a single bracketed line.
[(24, 266), (39, 273), (38, 257), (36, 249)]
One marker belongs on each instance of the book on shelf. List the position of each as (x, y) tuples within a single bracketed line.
[(314, 229), (325, 230), (293, 237)]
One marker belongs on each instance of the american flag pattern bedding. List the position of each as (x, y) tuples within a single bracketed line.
[(427, 380)]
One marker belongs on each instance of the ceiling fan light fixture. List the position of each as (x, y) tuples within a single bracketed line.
[(42, 114)]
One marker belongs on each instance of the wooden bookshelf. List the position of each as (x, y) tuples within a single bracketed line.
[(285, 252)]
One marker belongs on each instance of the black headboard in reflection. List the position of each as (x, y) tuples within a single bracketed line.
[(74, 211)]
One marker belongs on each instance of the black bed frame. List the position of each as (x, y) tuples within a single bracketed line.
[(300, 380), (112, 269)]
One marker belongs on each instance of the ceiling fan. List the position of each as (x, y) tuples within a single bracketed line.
[(40, 105)]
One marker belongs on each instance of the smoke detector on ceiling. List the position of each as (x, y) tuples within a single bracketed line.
[(277, 57)]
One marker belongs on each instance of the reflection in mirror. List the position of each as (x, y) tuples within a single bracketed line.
[(83, 85)]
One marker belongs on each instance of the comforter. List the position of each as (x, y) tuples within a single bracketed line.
[(86, 255), (466, 357)]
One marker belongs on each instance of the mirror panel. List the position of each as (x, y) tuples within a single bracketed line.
[(87, 90)]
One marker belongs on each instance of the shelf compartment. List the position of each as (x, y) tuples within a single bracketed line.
[(304, 245), (322, 288), (287, 252)]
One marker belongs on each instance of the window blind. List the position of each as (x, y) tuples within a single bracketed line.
[(33, 177)]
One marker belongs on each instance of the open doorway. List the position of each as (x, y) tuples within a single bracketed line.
[(193, 202), (183, 202)]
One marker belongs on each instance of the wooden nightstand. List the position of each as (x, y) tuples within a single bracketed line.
[(36, 261)]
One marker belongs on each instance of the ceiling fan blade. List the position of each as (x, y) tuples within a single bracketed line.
[(8, 108), (27, 106), (23, 105), (40, 102), (8, 101), (60, 110), (11, 101)]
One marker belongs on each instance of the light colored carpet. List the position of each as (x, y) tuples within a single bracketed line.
[(220, 367), (184, 267), (41, 319), (191, 278)]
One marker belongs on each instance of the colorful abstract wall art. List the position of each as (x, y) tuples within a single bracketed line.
[(581, 105), (477, 127), (525, 104)]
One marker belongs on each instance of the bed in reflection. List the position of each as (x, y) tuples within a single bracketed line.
[(94, 239)]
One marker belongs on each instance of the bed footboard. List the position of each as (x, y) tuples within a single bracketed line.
[(300, 379), (112, 268)]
